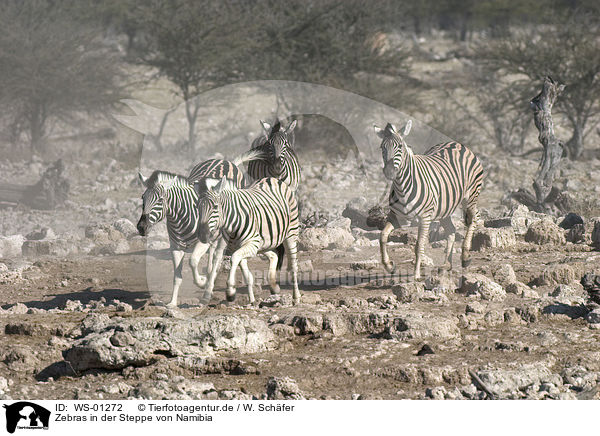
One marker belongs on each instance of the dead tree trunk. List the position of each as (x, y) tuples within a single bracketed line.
[(553, 149), (49, 192)]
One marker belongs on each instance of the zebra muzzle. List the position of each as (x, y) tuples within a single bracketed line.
[(142, 225), (389, 170)]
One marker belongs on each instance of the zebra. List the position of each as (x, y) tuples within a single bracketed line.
[(260, 219), (173, 196), (429, 187), (281, 161)]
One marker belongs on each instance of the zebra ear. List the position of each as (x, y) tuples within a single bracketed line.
[(291, 127), (378, 131), (266, 127), (407, 127), (143, 179)]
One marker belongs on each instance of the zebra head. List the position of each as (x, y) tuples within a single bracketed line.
[(153, 210), (209, 207), (392, 148), (277, 145)]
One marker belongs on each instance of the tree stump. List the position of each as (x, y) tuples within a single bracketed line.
[(49, 192), (552, 146)]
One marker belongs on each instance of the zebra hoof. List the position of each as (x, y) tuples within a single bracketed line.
[(205, 299), (230, 298), (445, 267), (466, 263), (275, 291)]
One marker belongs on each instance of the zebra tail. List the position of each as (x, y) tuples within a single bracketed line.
[(280, 252), (252, 154)]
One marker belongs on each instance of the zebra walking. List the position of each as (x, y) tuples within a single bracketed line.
[(430, 187), (173, 197), (250, 221), (280, 159)]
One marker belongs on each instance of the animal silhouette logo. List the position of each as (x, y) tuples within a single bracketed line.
[(26, 415)]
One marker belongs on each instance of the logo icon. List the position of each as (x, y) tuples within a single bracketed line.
[(26, 415)]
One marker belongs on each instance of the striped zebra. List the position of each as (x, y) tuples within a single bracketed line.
[(173, 197), (281, 161), (260, 219), (430, 187)]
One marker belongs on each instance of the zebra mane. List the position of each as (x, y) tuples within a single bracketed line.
[(159, 176), (276, 127)]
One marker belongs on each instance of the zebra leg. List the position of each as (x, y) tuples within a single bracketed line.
[(292, 249), (213, 273), (211, 257), (422, 239), (199, 250), (177, 277), (448, 226), (471, 218), (247, 250), (383, 239), (249, 279), (273, 271)]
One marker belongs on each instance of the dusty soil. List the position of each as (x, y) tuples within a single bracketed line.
[(323, 364)]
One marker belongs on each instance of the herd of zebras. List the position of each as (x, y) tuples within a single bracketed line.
[(216, 207)]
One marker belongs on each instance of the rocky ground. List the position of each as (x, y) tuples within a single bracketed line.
[(80, 320)]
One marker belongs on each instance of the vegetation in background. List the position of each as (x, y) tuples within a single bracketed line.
[(60, 58), (568, 51), (52, 67)]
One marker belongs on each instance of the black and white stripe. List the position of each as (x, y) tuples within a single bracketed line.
[(259, 219), (280, 159), (173, 197), (429, 186)]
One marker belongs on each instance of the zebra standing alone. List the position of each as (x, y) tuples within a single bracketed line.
[(430, 187), (250, 221), (281, 161), (173, 196)]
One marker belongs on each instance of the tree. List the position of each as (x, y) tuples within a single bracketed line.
[(51, 67), (202, 44), (567, 51), (197, 45)]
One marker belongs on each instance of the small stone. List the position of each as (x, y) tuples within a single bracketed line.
[(571, 220), (505, 274), (409, 292), (545, 231), (425, 349), (593, 317), (564, 291), (17, 309), (72, 306), (124, 307), (126, 227), (480, 285), (283, 388), (44, 233), (501, 238), (474, 307)]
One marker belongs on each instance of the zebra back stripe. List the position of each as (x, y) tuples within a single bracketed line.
[(267, 209), (436, 182)]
